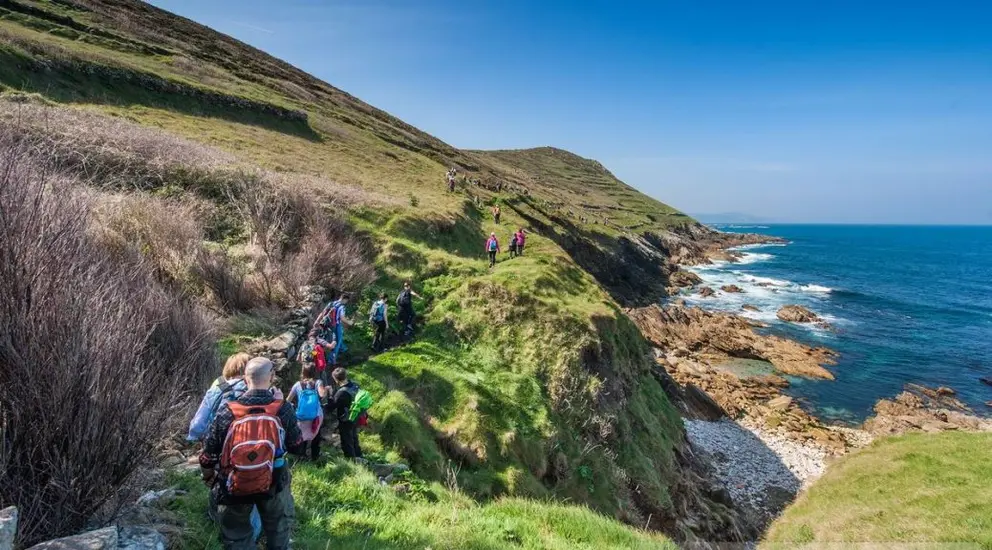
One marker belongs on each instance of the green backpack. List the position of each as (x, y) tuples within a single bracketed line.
[(359, 405)]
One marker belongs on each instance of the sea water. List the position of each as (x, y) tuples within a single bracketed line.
[(905, 303)]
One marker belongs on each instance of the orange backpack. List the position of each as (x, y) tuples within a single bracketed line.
[(254, 441)]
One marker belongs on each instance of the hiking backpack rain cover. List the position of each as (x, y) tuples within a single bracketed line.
[(254, 441)]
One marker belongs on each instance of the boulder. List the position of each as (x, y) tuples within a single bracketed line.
[(141, 538), (988, 403), (731, 288), (8, 527), (944, 391), (987, 381), (281, 342), (101, 539), (749, 307), (781, 402), (682, 278), (797, 314), (706, 292)]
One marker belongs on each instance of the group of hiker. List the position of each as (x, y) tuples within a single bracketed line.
[(247, 426), (517, 242)]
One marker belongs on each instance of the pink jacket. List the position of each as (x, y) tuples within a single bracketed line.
[(520, 238), (489, 243)]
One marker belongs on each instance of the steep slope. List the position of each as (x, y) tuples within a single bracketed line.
[(526, 380)]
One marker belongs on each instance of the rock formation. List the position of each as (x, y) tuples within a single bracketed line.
[(731, 288), (750, 307), (706, 292), (717, 337), (922, 409), (797, 314)]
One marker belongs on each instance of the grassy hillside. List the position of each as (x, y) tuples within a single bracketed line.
[(525, 381), (917, 488)]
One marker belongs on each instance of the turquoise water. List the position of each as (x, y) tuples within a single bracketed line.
[(908, 304)]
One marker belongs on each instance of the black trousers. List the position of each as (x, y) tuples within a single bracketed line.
[(379, 337), (406, 319), (492, 258), (349, 439)]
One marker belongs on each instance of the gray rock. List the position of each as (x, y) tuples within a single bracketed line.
[(159, 498), (8, 527), (141, 538), (101, 539), (281, 342)]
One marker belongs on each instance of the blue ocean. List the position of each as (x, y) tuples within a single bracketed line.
[(907, 304)]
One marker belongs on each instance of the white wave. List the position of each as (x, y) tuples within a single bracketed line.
[(816, 288), (753, 257), (765, 281)]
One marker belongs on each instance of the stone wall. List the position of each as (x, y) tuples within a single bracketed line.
[(283, 348)]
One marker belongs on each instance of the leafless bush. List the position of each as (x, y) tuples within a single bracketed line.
[(114, 153), (226, 280), (168, 232), (297, 242), (96, 356)]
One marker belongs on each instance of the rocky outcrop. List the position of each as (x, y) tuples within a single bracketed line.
[(706, 292), (731, 288), (922, 409), (986, 381), (750, 307), (716, 337), (797, 314), (682, 279)]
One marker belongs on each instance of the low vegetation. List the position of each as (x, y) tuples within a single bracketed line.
[(86, 334), (918, 488)]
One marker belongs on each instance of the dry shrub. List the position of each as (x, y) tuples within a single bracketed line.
[(114, 153), (226, 280), (168, 232), (295, 242), (97, 359)]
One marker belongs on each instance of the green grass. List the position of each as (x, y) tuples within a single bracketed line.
[(342, 506), (916, 488)]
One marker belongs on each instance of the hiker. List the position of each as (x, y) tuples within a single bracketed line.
[(229, 386), (405, 304), (308, 396), (492, 246), (332, 321), (345, 394), (243, 461), (496, 213), (316, 350), (520, 241), (513, 245), (379, 319)]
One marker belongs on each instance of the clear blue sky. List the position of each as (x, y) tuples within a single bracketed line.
[(792, 110)]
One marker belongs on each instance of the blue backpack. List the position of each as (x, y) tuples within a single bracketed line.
[(379, 311), (219, 392), (308, 403)]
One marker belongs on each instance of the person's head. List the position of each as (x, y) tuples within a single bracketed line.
[(382, 295), (312, 334), (344, 298), (234, 367), (406, 285), (493, 235), (308, 372), (259, 373), (340, 375)]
